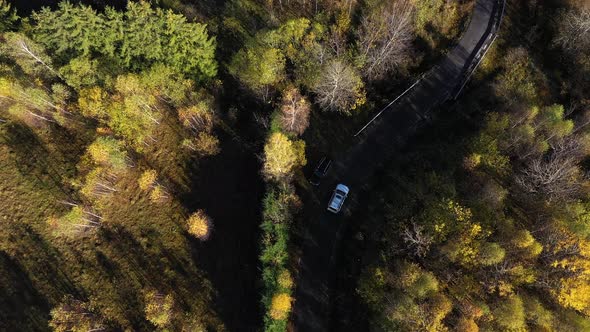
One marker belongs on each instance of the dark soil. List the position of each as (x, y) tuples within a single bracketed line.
[(229, 189)]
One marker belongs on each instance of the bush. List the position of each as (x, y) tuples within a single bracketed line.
[(199, 225)]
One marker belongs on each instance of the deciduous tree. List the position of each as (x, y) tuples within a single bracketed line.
[(339, 88), (109, 152), (509, 314), (295, 111), (280, 157), (259, 68), (30, 56), (199, 225), (148, 182), (281, 306), (385, 38), (574, 30), (76, 221), (159, 308)]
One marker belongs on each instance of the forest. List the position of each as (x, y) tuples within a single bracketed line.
[(156, 156)]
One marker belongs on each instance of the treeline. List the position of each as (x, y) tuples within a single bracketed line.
[(490, 232), (101, 115), (332, 55)]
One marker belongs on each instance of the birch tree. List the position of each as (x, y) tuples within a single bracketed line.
[(574, 30), (99, 183), (295, 111), (556, 177), (31, 104), (339, 88), (385, 38), (281, 157), (78, 220), (148, 182), (30, 56), (108, 152)]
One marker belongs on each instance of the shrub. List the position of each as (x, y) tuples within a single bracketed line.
[(199, 225)]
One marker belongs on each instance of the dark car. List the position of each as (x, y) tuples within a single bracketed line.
[(320, 171)]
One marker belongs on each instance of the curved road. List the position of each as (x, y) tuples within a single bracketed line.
[(376, 143)]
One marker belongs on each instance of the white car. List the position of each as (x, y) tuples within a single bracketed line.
[(338, 197)]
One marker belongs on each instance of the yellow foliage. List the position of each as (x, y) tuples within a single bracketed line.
[(206, 144), (472, 161), (574, 293), (281, 306), (285, 280), (147, 179), (281, 157), (467, 325), (159, 308), (93, 102), (158, 194), (199, 225)]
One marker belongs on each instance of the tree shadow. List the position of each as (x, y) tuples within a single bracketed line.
[(28, 308), (228, 187)]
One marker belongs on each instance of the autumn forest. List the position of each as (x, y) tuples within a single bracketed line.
[(166, 165)]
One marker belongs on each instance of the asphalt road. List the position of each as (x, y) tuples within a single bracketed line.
[(374, 146)]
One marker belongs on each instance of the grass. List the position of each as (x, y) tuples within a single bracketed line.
[(141, 243)]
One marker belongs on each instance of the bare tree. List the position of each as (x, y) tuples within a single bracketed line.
[(339, 87), (385, 38), (295, 111), (574, 30), (556, 177), (418, 242)]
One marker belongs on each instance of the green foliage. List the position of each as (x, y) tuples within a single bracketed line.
[(8, 16), (537, 314), (509, 314), (259, 67), (134, 108), (30, 56), (519, 82), (77, 30), (438, 21), (81, 72), (32, 104), (107, 151), (491, 253), (262, 63), (69, 224), (410, 294), (279, 205)]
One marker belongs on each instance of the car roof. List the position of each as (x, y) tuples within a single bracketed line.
[(342, 188)]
